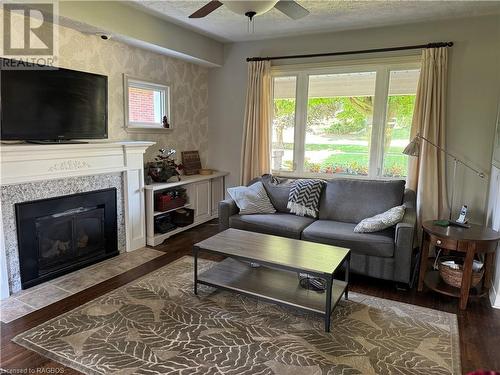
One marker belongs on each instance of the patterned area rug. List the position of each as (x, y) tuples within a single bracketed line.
[(155, 325)]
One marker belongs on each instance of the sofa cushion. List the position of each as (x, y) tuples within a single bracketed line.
[(352, 200), (342, 234), (251, 199), (278, 190), (279, 224)]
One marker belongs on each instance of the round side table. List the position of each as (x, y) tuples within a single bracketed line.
[(470, 241)]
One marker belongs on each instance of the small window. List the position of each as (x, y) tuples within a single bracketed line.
[(147, 105)]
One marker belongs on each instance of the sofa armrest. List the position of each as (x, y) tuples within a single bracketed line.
[(227, 208), (404, 237), (410, 199)]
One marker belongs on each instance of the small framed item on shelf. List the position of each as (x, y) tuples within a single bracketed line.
[(191, 162)]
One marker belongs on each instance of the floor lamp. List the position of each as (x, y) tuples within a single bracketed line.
[(413, 149)]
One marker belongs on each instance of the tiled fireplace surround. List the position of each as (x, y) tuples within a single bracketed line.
[(31, 172)]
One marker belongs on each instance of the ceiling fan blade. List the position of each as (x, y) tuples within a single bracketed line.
[(292, 9), (206, 9)]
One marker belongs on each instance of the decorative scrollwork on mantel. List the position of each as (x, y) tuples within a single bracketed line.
[(69, 165)]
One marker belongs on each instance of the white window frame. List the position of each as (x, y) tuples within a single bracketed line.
[(165, 97), (382, 67)]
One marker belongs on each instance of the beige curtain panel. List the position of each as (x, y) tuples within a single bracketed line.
[(427, 174), (255, 158)]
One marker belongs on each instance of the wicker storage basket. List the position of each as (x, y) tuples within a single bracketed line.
[(454, 277), (205, 171)]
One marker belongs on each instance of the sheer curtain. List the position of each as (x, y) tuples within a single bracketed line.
[(427, 174), (255, 156)]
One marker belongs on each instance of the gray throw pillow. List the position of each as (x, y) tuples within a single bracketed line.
[(251, 199), (278, 190), (381, 221)]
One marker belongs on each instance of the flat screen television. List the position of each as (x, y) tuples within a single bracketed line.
[(53, 105)]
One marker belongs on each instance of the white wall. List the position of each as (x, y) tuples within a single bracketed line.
[(474, 84), (493, 217), (494, 222)]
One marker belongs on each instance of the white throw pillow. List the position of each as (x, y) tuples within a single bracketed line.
[(381, 221), (252, 199)]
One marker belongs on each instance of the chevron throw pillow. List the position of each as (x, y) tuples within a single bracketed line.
[(251, 199), (304, 197)]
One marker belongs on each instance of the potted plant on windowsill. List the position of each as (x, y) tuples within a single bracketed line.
[(164, 166)]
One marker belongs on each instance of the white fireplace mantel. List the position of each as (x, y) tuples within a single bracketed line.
[(33, 162), (22, 163)]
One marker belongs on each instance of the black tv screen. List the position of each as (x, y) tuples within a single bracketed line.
[(53, 104)]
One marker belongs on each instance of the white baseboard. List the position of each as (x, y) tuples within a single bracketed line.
[(494, 297)]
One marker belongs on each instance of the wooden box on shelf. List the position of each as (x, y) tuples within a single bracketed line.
[(165, 203), (191, 162), (183, 217)]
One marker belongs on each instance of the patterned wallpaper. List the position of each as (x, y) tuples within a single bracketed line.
[(189, 82)]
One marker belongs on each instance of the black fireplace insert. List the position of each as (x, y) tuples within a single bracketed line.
[(62, 234)]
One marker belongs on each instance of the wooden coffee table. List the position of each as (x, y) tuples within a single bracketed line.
[(276, 281)]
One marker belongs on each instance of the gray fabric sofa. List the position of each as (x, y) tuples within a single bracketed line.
[(344, 203)]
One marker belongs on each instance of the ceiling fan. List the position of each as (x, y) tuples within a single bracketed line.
[(254, 8)]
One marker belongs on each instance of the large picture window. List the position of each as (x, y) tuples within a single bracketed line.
[(353, 120)]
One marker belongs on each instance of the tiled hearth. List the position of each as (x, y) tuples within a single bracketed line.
[(32, 299)]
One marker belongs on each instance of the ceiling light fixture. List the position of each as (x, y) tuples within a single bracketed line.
[(255, 7), (250, 9)]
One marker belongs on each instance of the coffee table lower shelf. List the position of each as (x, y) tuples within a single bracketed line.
[(274, 285)]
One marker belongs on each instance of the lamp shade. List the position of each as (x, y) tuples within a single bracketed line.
[(242, 7), (413, 148)]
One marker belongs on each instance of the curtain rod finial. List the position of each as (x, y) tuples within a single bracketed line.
[(440, 44), (258, 58)]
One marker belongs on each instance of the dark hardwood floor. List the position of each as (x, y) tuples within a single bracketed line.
[(479, 325)]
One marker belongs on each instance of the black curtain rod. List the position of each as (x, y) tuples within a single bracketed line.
[(389, 49)]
